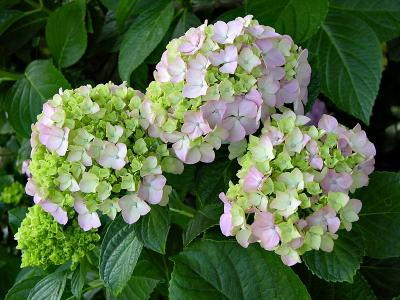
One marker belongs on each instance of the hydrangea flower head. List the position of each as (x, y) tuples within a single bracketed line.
[(294, 184), (91, 155), (45, 243), (213, 83)]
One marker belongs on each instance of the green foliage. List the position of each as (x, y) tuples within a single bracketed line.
[(380, 216), (300, 19), (224, 270), (120, 251), (342, 263), (152, 229), (41, 81), (349, 63), (66, 33), (178, 251), (143, 36), (50, 287)]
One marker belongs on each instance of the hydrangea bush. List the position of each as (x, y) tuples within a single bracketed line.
[(90, 154), (213, 84), (216, 167), (294, 184)]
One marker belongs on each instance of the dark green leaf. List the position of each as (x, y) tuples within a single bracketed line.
[(5, 180), (41, 81), (380, 215), (120, 251), (213, 179), (205, 218), (143, 36), (66, 33), (152, 229), (8, 17), (350, 63), (21, 290), (124, 9), (224, 270), (382, 15), (232, 14), (383, 275), (22, 32), (78, 279), (182, 183), (15, 217), (180, 213), (342, 263), (9, 76), (50, 287), (300, 19), (358, 290), (187, 21), (138, 288)]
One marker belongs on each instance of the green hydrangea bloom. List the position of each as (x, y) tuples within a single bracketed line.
[(44, 242), (12, 194)]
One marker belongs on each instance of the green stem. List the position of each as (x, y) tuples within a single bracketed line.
[(182, 212)]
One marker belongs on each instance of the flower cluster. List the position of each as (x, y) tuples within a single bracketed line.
[(12, 194), (45, 243), (292, 194), (90, 154), (213, 84)]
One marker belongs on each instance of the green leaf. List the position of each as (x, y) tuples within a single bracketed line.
[(9, 76), (205, 218), (232, 14), (380, 215), (224, 270), (119, 253), (8, 17), (383, 275), (66, 33), (21, 290), (124, 9), (213, 179), (187, 21), (358, 290), (22, 32), (298, 18), (5, 180), (350, 63), (382, 15), (78, 279), (180, 213), (184, 182), (342, 263), (40, 82), (50, 287), (152, 229), (15, 217), (143, 36), (138, 288)]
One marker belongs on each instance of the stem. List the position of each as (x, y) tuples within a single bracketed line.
[(182, 212)]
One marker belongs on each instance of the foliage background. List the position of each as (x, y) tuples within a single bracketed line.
[(355, 54)]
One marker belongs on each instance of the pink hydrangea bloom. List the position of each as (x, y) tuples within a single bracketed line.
[(151, 188), (86, 219), (326, 218), (265, 230), (225, 221), (336, 182), (132, 207), (241, 118), (195, 125), (225, 33), (54, 138)]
